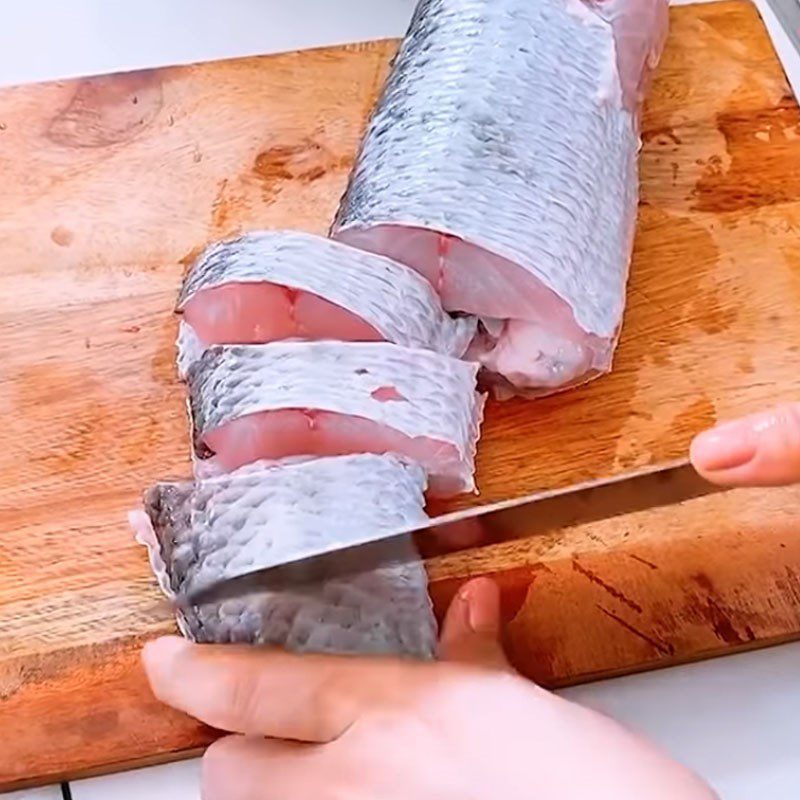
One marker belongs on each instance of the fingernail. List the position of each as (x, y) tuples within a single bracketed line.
[(160, 655), (730, 445), (483, 605)]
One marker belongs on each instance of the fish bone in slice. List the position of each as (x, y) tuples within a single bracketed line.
[(254, 402), (274, 285), (201, 531), (501, 162)]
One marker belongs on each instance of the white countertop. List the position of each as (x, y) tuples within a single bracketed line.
[(735, 720)]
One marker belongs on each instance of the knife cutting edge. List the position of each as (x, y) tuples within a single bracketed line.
[(532, 515)]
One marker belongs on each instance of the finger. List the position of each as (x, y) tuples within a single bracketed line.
[(452, 537), (759, 450), (472, 627), (246, 768), (266, 692)]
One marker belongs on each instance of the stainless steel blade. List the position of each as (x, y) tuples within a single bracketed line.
[(532, 515)]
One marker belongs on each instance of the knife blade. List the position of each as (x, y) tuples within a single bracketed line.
[(531, 515)]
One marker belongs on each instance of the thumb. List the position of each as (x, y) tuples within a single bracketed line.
[(760, 450), (471, 630)]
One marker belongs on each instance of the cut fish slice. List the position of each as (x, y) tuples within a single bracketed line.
[(268, 286), (507, 174), (254, 402), (264, 514)]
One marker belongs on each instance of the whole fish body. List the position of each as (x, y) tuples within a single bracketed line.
[(275, 285), (200, 531), (501, 163)]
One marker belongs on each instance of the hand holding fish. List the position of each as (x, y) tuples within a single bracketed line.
[(758, 450), (466, 726)]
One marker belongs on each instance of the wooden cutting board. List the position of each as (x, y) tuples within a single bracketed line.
[(112, 185)]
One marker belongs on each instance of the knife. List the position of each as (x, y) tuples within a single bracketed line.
[(532, 515)]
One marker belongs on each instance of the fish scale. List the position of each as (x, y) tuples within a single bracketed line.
[(504, 125), (436, 398), (198, 532), (394, 299)]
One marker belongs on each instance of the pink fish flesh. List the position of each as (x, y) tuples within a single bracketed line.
[(271, 286)]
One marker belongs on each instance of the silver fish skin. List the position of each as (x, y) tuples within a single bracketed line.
[(262, 514), (437, 395), (511, 127), (393, 298)]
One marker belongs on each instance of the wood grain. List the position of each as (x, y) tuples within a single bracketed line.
[(112, 184)]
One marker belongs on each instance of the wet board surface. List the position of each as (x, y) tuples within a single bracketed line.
[(112, 185)]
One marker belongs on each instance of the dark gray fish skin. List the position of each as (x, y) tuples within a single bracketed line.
[(199, 532)]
